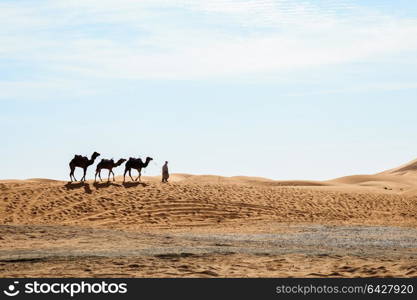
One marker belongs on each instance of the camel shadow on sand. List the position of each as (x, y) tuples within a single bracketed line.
[(133, 184), (102, 185), (78, 185)]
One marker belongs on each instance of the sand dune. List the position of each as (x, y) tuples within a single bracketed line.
[(401, 179), (408, 169), (239, 180), (386, 182), (199, 201), (210, 205)]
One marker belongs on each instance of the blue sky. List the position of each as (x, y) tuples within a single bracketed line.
[(285, 89)]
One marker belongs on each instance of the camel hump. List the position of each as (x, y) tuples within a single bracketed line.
[(76, 156)]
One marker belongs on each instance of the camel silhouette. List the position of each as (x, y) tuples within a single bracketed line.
[(108, 164), (137, 164), (82, 162)]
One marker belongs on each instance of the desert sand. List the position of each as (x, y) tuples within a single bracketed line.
[(211, 226)]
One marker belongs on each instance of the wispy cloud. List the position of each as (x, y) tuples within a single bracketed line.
[(184, 39)]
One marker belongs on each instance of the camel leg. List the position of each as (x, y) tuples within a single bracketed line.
[(130, 175), (95, 176), (99, 175), (85, 172), (124, 175), (140, 174), (72, 175), (108, 178), (113, 175)]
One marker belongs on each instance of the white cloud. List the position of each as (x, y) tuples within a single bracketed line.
[(232, 39)]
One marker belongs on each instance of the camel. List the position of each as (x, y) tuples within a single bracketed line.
[(137, 164), (81, 162), (108, 164)]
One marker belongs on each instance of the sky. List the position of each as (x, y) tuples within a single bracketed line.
[(284, 89)]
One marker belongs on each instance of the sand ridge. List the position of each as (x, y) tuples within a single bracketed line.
[(198, 201), (194, 223)]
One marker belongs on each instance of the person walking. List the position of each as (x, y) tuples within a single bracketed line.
[(165, 172)]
